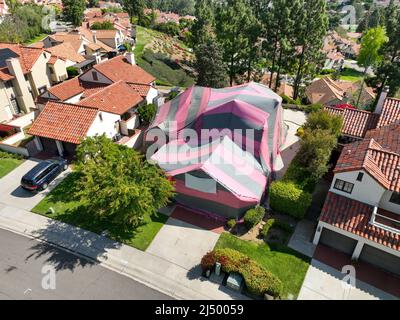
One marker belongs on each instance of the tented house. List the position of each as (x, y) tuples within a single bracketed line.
[(221, 146)]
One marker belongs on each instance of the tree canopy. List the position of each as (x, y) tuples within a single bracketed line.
[(73, 11), (118, 183)]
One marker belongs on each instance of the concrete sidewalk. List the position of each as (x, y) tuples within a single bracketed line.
[(143, 267)]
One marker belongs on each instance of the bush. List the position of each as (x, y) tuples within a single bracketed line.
[(8, 155), (254, 216), (288, 100), (231, 223), (286, 197), (147, 112), (327, 71), (208, 261), (324, 120), (258, 281), (283, 226), (314, 107), (72, 72), (267, 226)]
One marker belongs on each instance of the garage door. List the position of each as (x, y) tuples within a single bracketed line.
[(338, 241), (380, 259)]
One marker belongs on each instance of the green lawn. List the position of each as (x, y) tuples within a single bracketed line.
[(38, 38), (351, 75), (70, 210), (7, 165), (286, 264)]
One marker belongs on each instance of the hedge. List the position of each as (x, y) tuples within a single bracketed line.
[(272, 223), (8, 155), (287, 197), (258, 280), (253, 216)]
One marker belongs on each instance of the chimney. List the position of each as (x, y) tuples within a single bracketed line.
[(381, 101), (94, 36), (130, 56)]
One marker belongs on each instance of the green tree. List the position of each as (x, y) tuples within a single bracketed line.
[(370, 52), (388, 72), (322, 120), (310, 30), (205, 21), (105, 25), (127, 188), (93, 3), (234, 18), (73, 11), (135, 8), (147, 112), (210, 66)]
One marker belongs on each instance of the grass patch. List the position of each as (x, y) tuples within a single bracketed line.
[(351, 75), (7, 165), (38, 38), (69, 210), (286, 264)]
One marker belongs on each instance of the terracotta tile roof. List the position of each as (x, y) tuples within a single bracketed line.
[(142, 89), (5, 75), (66, 51), (73, 38), (106, 34), (353, 216), (390, 112), (73, 87), (388, 136), (356, 122), (117, 98), (63, 122), (27, 56), (119, 68), (52, 60)]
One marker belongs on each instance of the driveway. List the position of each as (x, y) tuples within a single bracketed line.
[(323, 282), (12, 194), (182, 243)]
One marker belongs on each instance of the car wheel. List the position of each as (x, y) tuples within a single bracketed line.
[(44, 186)]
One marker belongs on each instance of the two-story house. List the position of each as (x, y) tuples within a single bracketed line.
[(114, 89), (25, 73), (361, 214)]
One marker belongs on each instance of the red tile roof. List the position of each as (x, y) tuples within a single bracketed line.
[(119, 68), (355, 122), (73, 87), (63, 122), (27, 55), (390, 112), (142, 89), (354, 216), (5, 75), (117, 98)]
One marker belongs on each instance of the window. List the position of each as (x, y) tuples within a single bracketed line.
[(343, 186), (94, 75), (42, 89), (360, 176), (395, 198)]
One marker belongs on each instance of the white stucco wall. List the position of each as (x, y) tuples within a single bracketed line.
[(151, 95), (40, 74), (74, 99), (5, 111), (106, 126), (367, 191), (387, 205)]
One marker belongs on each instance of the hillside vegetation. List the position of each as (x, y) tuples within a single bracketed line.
[(164, 57)]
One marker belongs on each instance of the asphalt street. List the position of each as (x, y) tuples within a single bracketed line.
[(30, 269)]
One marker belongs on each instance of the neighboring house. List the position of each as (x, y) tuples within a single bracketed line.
[(356, 123), (114, 88), (25, 73), (334, 60), (283, 89), (328, 92), (361, 214), (221, 177), (67, 52)]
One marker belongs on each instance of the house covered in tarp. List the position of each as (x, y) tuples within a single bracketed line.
[(221, 146)]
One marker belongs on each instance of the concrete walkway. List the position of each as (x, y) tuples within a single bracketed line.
[(302, 238), (153, 271), (323, 282)]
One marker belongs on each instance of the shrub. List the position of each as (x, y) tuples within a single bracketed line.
[(283, 226), (208, 261), (258, 281), (267, 226), (72, 72), (254, 216), (8, 155), (324, 121), (288, 100), (147, 112), (314, 107), (231, 223), (327, 71), (287, 197)]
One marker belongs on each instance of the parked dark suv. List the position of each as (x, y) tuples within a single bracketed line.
[(42, 174)]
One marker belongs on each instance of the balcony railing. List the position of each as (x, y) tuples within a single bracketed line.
[(385, 220)]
